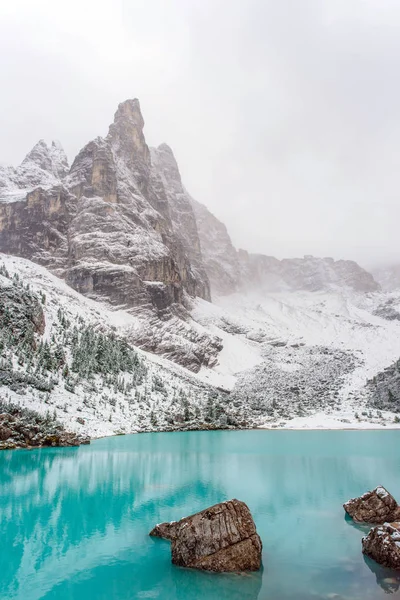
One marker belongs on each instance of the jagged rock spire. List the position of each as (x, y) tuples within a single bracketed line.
[(126, 135), (51, 159)]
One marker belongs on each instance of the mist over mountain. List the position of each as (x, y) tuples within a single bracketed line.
[(154, 271)]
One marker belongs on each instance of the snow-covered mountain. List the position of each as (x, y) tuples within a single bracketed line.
[(43, 166), (70, 356), (293, 359), (123, 265), (118, 227)]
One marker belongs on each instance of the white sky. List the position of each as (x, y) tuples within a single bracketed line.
[(284, 115)]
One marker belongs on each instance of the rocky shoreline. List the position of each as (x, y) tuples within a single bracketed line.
[(23, 428)]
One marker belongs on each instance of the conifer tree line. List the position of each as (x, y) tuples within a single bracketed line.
[(102, 368)]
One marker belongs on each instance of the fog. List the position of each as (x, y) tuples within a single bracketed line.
[(283, 114)]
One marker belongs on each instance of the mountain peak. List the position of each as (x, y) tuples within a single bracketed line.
[(129, 112), (40, 155), (126, 136), (51, 159)]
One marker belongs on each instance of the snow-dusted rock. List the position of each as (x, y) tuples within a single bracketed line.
[(222, 538), (108, 226), (44, 166), (382, 544), (220, 256), (377, 506), (119, 226)]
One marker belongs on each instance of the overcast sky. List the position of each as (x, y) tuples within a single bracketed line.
[(284, 115)]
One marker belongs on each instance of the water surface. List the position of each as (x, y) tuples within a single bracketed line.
[(74, 522)]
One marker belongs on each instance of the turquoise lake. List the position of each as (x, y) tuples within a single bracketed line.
[(74, 522)]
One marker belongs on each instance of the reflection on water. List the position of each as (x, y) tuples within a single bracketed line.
[(74, 522), (387, 579)]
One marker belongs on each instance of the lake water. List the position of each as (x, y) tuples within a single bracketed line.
[(74, 522)]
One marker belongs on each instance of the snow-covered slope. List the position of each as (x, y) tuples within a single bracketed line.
[(303, 358), (287, 341), (299, 359), (88, 389)]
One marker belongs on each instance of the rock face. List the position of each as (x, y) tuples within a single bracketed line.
[(377, 506), (118, 226), (222, 538), (220, 256), (382, 544)]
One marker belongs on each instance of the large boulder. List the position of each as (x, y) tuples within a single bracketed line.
[(382, 544), (377, 506), (222, 538)]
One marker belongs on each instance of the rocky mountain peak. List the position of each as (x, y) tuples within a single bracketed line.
[(129, 112), (59, 159), (39, 155), (51, 159), (126, 137)]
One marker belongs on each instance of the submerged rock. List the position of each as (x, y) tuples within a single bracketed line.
[(222, 538), (377, 506), (382, 544)]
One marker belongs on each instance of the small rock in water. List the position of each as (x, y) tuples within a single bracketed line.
[(377, 506), (222, 538), (382, 544)]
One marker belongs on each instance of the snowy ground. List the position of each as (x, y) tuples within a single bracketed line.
[(315, 348), (256, 325), (157, 402)]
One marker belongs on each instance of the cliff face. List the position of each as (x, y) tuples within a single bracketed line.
[(220, 256), (118, 225), (230, 270)]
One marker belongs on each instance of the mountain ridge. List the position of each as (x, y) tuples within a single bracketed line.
[(119, 226)]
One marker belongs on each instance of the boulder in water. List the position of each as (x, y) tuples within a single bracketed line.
[(222, 538), (382, 544), (377, 506)]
